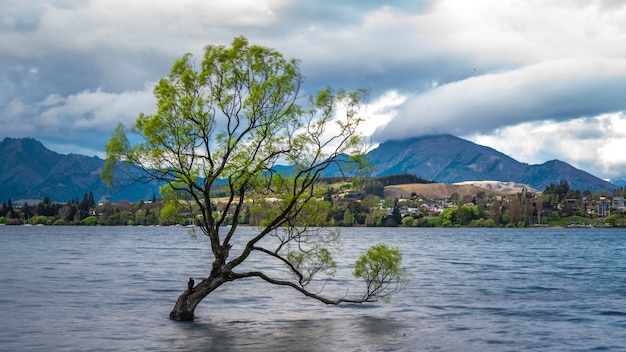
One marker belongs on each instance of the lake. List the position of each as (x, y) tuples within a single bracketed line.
[(111, 289)]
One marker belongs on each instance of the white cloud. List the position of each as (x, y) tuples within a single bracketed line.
[(530, 31), (560, 90), (594, 144), (95, 110), (381, 111), (13, 121), (161, 25), (83, 120)]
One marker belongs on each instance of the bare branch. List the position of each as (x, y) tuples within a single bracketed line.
[(303, 290)]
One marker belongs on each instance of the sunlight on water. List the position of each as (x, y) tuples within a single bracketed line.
[(105, 288)]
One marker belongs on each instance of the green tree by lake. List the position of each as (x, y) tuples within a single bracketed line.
[(228, 120)]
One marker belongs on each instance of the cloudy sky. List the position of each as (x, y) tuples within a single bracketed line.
[(535, 79)]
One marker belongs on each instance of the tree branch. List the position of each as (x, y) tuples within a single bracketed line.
[(284, 261), (302, 290)]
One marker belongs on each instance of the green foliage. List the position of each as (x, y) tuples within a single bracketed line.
[(459, 216), (381, 269), (119, 218), (614, 220), (425, 222), (231, 121), (169, 214), (448, 216), (90, 221), (59, 222), (374, 187), (313, 213), (395, 213), (348, 218), (42, 220), (519, 224), (14, 221), (379, 216), (401, 179), (561, 189), (484, 223), (308, 263)]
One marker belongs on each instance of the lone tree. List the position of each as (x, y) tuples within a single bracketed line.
[(229, 123)]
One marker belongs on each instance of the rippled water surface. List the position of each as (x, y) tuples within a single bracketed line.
[(111, 288)]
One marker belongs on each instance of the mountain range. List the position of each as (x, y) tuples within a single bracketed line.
[(449, 159), (30, 171)]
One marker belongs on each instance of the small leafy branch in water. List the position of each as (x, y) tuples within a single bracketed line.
[(381, 269)]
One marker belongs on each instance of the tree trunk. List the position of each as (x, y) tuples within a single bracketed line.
[(184, 308), (189, 300)]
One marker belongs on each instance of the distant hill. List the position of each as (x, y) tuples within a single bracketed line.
[(499, 186), (30, 171), (449, 159), (433, 190), (619, 181)]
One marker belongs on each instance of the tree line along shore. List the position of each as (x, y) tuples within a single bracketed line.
[(356, 203)]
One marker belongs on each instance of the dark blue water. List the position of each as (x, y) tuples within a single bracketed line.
[(110, 288)]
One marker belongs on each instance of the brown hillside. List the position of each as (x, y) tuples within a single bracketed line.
[(439, 190)]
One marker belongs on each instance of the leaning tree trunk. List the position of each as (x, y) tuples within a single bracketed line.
[(189, 300)]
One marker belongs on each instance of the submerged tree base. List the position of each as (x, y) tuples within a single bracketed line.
[(184, 308)]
